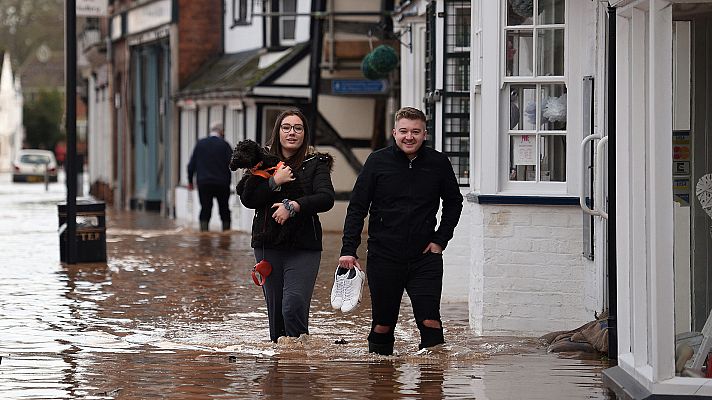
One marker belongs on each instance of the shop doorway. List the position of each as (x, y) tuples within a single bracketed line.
[(701, 138)]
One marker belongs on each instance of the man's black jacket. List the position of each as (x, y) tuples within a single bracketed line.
[(211, 162), (402, 198)]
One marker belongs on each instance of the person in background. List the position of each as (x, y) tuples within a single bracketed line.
[(400, 187), (210, 163), (294, 250)]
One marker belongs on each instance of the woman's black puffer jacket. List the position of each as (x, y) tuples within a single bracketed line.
[(314, 193)]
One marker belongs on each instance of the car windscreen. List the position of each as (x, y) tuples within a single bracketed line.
[(34, 159)]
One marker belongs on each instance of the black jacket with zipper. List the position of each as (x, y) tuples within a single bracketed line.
[(314, 176), (402, 197)]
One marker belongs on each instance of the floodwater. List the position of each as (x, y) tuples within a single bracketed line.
[(174, 314)]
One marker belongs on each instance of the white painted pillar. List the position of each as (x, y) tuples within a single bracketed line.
[(623, 182), (637, 190), (660, 191)]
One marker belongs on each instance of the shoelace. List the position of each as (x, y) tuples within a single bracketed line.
[(340, 285), (349, 289)]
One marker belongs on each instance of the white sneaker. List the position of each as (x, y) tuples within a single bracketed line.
[(337, 291), (353, 288)]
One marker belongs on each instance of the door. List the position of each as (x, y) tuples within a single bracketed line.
[(701, 134), (148, 132)]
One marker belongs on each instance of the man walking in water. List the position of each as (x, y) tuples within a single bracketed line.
[(211, 162), (400, 186)]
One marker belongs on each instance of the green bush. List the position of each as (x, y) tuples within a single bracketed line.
[(42, 118)]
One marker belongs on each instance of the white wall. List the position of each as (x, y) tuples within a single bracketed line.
[(527, 273), (99, 143), (241, 37)]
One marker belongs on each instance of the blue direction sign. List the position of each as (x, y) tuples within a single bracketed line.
[(358, 86)]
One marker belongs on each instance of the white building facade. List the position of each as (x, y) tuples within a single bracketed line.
[(11, 128), (502, 85), (547, 82)]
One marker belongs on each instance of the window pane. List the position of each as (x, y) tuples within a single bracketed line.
[(457, 125), (522, 107), (522, 158), (461, 166), (458, 26), (289, 6), (456, 144), (553, 107), (520, 53), (458, 74), (551, 12), (457, 105), (288, 28), (550, 52), (519, 12), (552, 150)]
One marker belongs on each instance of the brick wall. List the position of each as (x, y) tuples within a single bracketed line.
[(527, 274), (199, 35)]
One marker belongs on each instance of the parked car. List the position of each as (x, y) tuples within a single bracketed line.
[(30, 165)]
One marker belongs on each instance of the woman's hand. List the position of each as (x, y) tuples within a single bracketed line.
[(283, 175), (281, 214)]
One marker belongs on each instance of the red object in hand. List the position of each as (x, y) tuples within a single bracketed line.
[(261, 271)]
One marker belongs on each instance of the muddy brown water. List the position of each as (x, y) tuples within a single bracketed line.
[(174, 314)]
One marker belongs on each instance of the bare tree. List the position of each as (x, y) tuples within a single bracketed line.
[(28, 25)]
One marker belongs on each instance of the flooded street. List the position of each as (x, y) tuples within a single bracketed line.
[(174, 314)]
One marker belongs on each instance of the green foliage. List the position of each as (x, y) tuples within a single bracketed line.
[(42, 118), (379, 63)]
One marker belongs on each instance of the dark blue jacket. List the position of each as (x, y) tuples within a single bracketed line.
[(211, 162), (402, 198)]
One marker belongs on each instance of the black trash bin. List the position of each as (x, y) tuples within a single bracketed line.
[(91, 231)]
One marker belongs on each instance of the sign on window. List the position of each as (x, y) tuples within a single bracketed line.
[(524, 150), (92, 8)]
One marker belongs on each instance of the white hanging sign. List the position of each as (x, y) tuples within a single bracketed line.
[(92, 8), (524, 147)]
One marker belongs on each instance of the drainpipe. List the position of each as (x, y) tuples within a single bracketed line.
[(611, 223), (317, 43)]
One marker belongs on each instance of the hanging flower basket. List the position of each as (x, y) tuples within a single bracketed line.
[(379, 63)]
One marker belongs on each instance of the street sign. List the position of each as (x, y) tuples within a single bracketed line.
[(92, 8), (358, 86)]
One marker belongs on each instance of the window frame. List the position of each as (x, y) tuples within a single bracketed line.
[(239, 19), (280, 24), (537, 186), (463, 54)]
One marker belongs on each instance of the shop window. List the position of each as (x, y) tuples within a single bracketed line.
[(456, 88), (241, 12), (534, 75)]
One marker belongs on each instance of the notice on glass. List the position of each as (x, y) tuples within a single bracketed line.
[(524, 149)]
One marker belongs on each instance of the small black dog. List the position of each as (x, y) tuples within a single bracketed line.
[(248, 154), (260, 165)]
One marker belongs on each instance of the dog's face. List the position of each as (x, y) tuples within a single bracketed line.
[(246, 154)]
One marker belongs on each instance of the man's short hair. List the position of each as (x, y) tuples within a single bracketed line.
[(216, 127), (410, 113)]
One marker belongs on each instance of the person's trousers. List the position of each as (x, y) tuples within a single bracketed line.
[(288, 289), (422, 279), (206, 193)]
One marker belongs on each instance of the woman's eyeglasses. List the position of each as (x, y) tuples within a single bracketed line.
[(297, 128)]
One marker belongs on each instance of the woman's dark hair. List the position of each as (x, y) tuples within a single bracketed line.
[(275, 147)]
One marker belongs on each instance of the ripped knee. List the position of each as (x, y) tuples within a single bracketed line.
[(381, 328), (431, 323)]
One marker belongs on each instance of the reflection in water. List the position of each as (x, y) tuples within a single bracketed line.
[(174, 313)]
